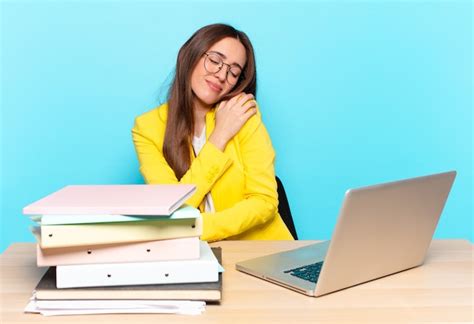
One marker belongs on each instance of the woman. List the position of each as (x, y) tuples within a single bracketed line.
[(210, 134)]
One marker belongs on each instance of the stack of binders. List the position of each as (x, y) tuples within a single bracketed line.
[(130, 242)]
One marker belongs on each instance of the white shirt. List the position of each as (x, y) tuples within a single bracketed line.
[(198, 143)]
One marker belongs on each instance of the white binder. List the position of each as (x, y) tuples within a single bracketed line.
[(204, 269)]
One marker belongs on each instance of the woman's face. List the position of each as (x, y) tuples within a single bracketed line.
[(210, 87)]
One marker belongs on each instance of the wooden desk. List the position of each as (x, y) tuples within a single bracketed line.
[(439, 291)]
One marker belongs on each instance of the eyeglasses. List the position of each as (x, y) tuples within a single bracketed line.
[(213, 63)]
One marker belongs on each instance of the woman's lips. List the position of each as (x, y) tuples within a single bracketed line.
[(215, 87)]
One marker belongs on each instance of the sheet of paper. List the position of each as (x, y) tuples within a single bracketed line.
[(81, 307)]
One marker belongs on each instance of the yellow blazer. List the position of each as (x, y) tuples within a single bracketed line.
[(241, 179)]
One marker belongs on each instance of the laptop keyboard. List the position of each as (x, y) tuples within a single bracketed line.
[(308, 272)]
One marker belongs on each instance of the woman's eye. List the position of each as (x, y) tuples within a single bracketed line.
[(214, 60), (235, 74)]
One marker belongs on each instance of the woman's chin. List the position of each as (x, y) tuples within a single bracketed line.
[(208, 100)]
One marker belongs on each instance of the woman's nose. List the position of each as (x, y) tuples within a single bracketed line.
[(222, 73)]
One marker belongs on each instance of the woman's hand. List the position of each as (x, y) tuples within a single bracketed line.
[(231, 115)]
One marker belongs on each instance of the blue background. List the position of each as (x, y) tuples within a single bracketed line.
[(352, 93)]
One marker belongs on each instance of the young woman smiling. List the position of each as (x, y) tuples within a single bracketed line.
[(210, 133)]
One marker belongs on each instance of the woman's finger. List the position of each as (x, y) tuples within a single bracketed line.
[(221, 105), (249, 104), (234, 99), (249, 113), (246, 97)]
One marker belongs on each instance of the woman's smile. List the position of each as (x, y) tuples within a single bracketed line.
[(214, 86)]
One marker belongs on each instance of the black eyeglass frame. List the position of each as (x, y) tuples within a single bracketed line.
[(241, 76)]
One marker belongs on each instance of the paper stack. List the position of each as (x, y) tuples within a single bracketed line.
[(126, 242)]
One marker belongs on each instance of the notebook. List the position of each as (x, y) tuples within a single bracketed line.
[(162, 199), (382, 229), (209, 291)]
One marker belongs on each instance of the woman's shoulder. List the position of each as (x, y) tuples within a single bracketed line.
[(153, 118)]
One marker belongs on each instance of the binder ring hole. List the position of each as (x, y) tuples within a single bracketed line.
[(89, 251), (148, 250), (50, 235), (193, 226), (109, 275), (167, 274)]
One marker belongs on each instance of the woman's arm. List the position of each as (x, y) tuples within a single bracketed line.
[(206, 168), (260, 201), (211, 161)]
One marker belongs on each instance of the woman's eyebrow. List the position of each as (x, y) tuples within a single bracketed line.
[(225, 57)]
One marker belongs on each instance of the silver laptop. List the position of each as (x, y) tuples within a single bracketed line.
[(381, 230)]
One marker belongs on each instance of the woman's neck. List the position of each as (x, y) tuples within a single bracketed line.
[(200, 110)]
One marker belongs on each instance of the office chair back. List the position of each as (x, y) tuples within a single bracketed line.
[(284, 209)]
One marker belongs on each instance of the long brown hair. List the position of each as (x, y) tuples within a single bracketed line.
[(180, 122)]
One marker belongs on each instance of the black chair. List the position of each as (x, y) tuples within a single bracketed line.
[(284, 208)]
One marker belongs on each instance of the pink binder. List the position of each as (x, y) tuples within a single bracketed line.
[(161, 199), (164, 250)]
